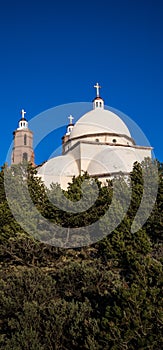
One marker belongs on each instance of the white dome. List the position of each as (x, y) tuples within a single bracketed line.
[(59, 170), (99, 121), (59, 165)]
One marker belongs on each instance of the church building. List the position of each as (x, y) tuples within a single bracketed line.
[(99, 143)]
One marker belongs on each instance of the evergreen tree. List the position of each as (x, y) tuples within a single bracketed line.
[(105, 295)]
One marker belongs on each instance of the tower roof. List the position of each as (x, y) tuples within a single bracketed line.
[(22, 119)]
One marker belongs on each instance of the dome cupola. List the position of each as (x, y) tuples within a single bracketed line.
[(70, 125)]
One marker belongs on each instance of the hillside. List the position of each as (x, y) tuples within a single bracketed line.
[(103, 295)]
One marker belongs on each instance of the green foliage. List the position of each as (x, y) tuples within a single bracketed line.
[(101, 296)]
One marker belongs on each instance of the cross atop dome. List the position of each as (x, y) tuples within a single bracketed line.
[(98, 102), (97, 87)]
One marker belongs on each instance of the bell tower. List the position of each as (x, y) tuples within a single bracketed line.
[(23, 142)]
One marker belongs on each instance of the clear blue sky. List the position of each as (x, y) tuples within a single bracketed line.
[(52, 53)]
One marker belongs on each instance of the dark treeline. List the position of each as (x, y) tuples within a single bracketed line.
[(65, 288)]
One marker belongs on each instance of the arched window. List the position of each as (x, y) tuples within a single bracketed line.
[(114, 140), (25, 140), (25, 157)]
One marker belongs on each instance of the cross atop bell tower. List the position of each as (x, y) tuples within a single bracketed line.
[(23, 124), (23, 113)]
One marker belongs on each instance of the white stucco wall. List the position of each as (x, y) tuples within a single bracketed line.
[(95, 158)]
